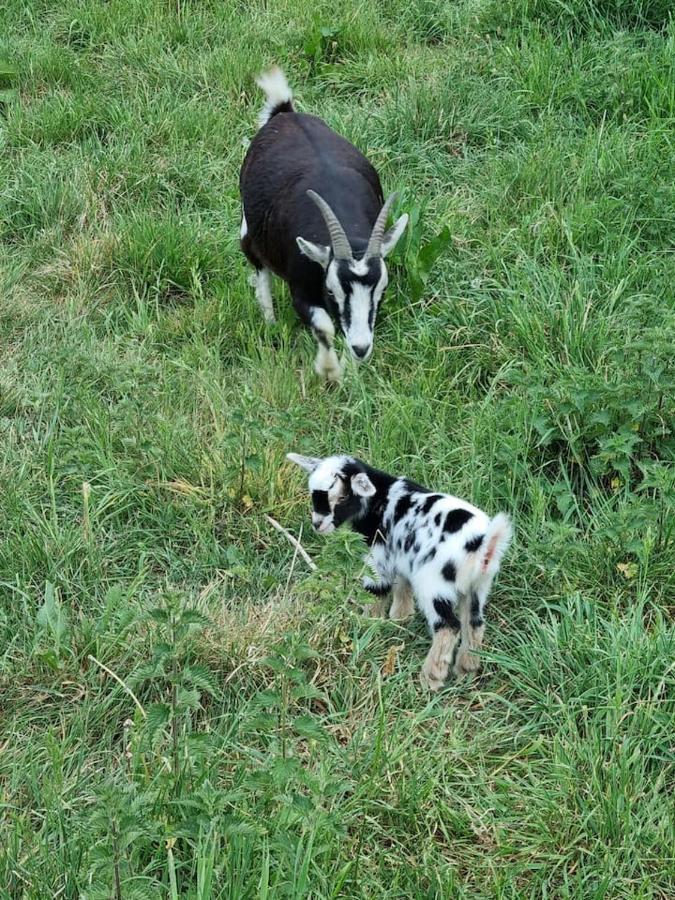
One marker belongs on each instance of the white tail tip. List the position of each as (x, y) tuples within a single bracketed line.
[(497, 539), (276, 90)]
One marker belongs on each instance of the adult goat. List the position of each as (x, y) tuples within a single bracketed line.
[(313, 214)]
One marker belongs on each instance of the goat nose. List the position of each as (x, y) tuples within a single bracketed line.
[(361, 350)]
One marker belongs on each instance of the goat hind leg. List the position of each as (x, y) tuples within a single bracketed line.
[(473, 630), (445, 628), (436, 665), (260, 280)]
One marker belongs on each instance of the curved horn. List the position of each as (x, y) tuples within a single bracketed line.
[(341, 246), (374, 247)]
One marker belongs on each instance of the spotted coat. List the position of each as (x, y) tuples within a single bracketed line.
[(435, 547)]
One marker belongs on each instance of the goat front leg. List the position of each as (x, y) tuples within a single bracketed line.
[(402, 605), (471, 610), (380, 585), (380, 589), (326, 365)]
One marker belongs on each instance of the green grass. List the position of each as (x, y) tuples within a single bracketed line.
[(145, 411)]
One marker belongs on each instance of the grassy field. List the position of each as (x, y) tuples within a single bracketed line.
[(188, 710)]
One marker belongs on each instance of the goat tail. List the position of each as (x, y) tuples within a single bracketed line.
[(495, 544), (484, 561), (278, 95)]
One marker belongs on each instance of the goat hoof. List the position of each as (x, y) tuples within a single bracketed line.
[(432, 677), (329, 373), (374, 610), (397, 616), (467, 663)]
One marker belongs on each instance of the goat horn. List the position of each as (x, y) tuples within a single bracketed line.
[(341, 246), (374, 247)]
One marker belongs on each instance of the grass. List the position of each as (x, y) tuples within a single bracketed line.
[(187, 710)]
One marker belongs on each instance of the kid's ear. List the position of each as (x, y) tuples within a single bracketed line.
[(362, 486), (308, 463)]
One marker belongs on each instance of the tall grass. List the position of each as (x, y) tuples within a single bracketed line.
[(187, 710)]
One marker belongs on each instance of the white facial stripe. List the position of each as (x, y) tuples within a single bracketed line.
[(325, 476), (326, 479), (358, 308), (358, 266), (363, 308), (359, 332)]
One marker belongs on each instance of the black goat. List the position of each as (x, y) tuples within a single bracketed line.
[(313, 214)]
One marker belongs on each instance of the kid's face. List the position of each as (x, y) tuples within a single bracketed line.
[(335, 497)]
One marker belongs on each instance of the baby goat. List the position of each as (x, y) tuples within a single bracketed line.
[(313, 214), (436, 548)]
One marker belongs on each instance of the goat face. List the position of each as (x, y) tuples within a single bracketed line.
[(355, 288), (339, 492), (354, 284)]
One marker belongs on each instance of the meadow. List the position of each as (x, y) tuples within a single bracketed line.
[(186, 708)]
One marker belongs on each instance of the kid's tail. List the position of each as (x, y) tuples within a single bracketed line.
[(484, 553), (495, 544), (278, 95)]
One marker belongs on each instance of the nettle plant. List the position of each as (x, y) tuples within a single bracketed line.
[(179, 681), (287, 729), (9, 93), (321, 47), (418, 258), (245, 445)]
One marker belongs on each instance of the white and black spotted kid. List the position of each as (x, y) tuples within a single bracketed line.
[(439, 549)]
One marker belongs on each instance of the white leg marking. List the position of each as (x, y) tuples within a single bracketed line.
[(322, 322), (263, 294), (243, 231), (326, 364)]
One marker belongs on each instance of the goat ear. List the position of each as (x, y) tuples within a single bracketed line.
[(391, 237), (362, 486), (316, 252), (308, 463)]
